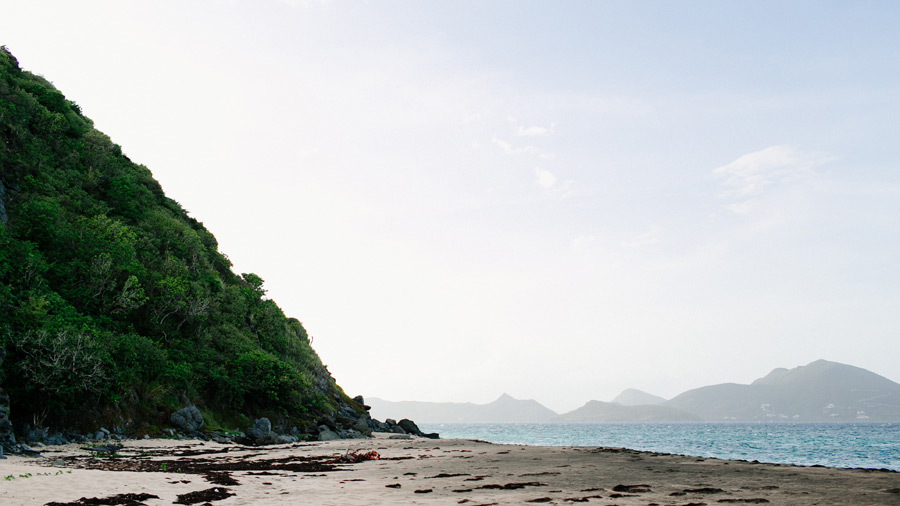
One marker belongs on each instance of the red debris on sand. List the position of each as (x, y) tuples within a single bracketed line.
[(354, 457)]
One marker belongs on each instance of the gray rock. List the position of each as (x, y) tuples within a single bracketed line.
[(362, 427), (284, 439), (31, 452), (326, 434), (77, 438), (263, 424), (254, 434), (188, 419), (409, 426), (35, 435), (99, 436)]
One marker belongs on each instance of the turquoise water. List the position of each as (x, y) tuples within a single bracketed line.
[(864, 445)]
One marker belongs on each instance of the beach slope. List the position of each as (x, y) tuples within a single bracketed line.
[(419, 471)]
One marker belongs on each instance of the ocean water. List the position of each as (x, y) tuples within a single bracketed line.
[(856, 445)]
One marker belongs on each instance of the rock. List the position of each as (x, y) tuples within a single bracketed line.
[(55, 439), (400, 436), (27, 450), (410, 426), (254, 434), (396, 429), (77, 438), (35, 435), (326, 434), (112, 448), (188, 419), (284, 439), (362, 427), (100, 436), (263, 424), (169, 432), (362, 402)]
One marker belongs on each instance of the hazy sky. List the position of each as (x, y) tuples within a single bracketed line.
[(557, 200)]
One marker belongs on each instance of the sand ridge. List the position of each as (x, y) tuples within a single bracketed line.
[(420, 471)]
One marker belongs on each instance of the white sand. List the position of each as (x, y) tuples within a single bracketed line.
[(546, 475)]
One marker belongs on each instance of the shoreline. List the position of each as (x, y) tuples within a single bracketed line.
[(383, 470), (871, 445)]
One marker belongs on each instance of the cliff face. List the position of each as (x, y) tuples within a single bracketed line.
[(115, 305)]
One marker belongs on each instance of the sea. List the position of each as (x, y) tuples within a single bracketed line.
[(848, 445)]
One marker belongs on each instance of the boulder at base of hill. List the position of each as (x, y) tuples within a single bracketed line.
[(188, 419)]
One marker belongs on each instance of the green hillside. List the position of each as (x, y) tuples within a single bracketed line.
[(115, 305)]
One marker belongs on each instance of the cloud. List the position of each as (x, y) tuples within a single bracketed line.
[(583, 242), (305, 3), (748, 177), (647, 238), (532, 131), (545, 178), (526, 150)]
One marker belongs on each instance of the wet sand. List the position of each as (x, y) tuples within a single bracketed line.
[(419, 471)]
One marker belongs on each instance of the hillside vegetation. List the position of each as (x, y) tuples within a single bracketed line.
[(115, 304)]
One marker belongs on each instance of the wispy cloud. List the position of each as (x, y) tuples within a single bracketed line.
[(510, 149), (748, 177), (647, 238), (583, 242), (545, 178), (532, 130)]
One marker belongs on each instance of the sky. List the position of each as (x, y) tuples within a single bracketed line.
[(554, 200)]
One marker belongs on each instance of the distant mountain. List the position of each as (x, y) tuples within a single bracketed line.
[(598, 411), (505, 409), (633, 397), (820, 391)]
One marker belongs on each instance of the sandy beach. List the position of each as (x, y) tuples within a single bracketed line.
[(419, 471)]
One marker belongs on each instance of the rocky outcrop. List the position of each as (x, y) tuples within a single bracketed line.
[(351, 421), (188, 419)]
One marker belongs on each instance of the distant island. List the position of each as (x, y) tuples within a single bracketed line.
[(821, 391)]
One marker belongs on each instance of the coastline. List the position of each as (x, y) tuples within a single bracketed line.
[(422, 471)]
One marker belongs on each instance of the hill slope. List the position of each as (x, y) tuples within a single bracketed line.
[(819, 391), (598, 411), (503, 410), (634, 397), (115, 305)]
